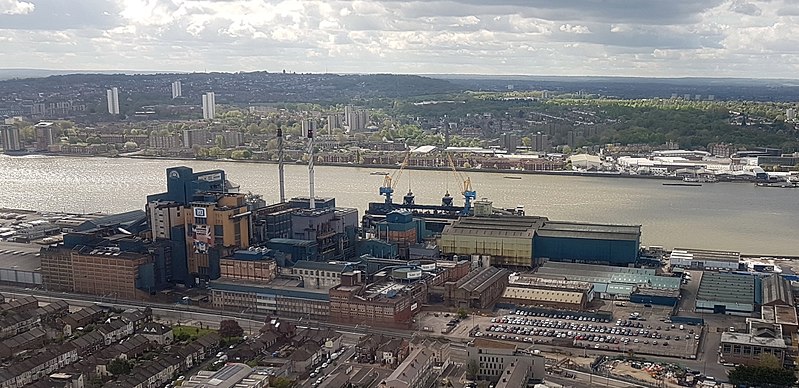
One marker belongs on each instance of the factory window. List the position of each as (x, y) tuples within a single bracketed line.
[(747, 350), (736, 349)]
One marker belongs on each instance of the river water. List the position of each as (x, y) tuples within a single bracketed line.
[(735, 216)]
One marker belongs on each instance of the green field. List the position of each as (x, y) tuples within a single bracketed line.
[(192, 331)]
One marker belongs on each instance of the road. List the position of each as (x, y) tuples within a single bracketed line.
[(253, 322), (168, 313)]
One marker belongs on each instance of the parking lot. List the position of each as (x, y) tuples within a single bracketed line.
[(623, 335)]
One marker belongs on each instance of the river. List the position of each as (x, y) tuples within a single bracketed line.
[(734, 216)]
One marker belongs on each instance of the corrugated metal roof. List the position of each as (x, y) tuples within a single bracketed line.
[(539, 295), (726, 287), (589, 231), (495, 226)]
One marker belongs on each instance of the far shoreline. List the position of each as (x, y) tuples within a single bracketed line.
[(416, 168)]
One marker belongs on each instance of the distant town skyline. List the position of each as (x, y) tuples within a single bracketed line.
[(649, 38)]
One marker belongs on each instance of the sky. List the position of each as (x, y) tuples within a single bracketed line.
[(657, 38)]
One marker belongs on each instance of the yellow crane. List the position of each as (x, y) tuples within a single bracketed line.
[(465, 182)]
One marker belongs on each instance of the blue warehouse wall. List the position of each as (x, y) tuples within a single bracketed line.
[(617, 252)]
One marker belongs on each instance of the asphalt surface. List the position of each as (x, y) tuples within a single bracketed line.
[(193, 315)]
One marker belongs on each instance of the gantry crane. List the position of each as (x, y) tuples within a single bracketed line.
[(390, 181), (466, 187)]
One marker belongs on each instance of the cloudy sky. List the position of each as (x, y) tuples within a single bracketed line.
[(739, 38)]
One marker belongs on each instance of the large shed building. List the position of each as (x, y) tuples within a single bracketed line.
[(479, 289), (610, 282), (511, 241), (705, 259), (588, 243), (506, 241), (727, 293)]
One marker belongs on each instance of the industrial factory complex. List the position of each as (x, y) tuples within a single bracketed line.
[(307, 258)]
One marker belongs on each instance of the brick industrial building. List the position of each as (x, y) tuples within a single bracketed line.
[(387, 303)]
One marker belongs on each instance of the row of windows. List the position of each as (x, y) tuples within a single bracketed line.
[(492, 359), (317, 273), (747, 350)]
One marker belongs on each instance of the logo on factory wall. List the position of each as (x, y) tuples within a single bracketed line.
[(210, 177), (203, 238), (199, 212), (174, 174)]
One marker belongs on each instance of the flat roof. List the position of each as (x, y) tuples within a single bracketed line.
[(531, 281), (616, 276), (521, 227), (539, 295), (706, 254), (319, 265), (782, 315), (726, 287), (589, 231), (269, 288), (749, 339), (28, 262)]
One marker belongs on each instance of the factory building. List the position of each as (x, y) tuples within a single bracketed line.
[(253, 264), (216, 225), (588, 243), (525, 242), (783, 316), (325, 233), (776, 290), (705, 259), (399, 227), (319, 274), (611, 282), (109, 272), (505, 241), (279, 297), (167, 213), (293, 250), (727, 293), (384, 303), (746, 348), (480, 289), (529, 290), (657, 297), (106, 258)]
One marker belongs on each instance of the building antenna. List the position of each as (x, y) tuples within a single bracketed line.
[(280, 173)]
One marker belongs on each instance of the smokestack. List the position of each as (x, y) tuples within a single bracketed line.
[(312, 203), (280, 174)]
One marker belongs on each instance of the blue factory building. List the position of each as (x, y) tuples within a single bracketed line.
[(182, 183), (587, 243)]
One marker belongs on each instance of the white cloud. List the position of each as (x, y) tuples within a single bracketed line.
[(576, 29), (577, 37), (15, 7)]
